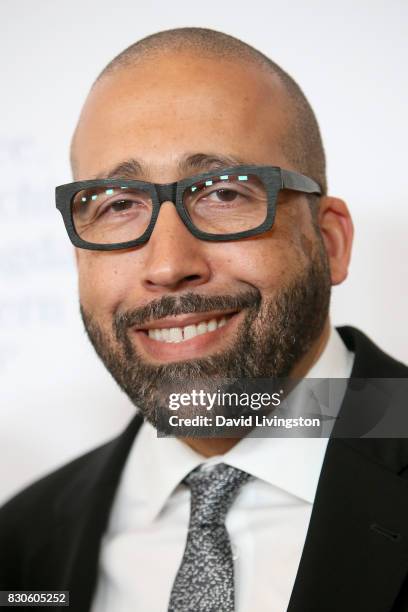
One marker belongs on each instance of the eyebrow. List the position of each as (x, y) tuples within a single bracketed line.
[(133, 169)]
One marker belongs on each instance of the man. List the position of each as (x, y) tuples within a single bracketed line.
[(185, 276)]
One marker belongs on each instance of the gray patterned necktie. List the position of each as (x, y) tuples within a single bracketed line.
[(205, 579)]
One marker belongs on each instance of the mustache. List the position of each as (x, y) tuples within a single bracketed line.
[(188, 303)]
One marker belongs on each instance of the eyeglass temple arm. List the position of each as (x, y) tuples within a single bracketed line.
[(299, 182)]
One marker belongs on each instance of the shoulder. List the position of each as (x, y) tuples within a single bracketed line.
[(27, 519), (370, 360), (377, 404), (37, 495), (29, 513), (30, 519), (75, 475)]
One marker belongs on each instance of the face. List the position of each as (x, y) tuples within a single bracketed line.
[(248, 308)]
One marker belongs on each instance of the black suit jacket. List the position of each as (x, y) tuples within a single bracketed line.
[(355, 557)]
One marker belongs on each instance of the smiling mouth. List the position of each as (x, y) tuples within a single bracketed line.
[(169, 333)]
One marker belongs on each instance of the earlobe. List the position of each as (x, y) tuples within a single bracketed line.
[(337, 230)]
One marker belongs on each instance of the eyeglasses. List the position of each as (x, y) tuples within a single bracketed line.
[(221, 205)]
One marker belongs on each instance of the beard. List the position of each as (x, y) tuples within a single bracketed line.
[(273, 336)]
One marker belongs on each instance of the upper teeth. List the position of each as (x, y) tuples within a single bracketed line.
[(178, 334)]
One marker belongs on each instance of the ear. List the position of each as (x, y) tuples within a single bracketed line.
[(337, 230)]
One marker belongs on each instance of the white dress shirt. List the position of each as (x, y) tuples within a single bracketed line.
[(143, 546)]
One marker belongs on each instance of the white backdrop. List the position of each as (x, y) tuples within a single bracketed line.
[(351, 60)]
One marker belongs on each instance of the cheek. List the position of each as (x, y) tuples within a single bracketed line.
[(103, 281), (266, 262)]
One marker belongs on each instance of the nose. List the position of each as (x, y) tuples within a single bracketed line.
[(175, 259)]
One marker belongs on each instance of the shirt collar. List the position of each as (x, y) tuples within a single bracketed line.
[(156, 466)]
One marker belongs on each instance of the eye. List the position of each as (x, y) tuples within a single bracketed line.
[(133, 205), (122, 205), (225, 195), (222, 194)]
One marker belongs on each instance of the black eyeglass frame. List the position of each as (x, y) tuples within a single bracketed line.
[(274, 178)]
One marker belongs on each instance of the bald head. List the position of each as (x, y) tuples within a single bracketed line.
[(301, 141)]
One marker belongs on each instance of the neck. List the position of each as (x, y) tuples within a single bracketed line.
[(209, 447)]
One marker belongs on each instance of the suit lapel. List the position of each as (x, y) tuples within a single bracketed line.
[(82, 513), (356, 550)]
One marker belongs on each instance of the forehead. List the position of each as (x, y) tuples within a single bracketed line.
[(164, 108)]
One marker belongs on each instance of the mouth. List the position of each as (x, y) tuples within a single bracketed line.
[(187, 336)]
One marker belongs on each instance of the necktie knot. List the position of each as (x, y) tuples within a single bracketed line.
[(213, 492)]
